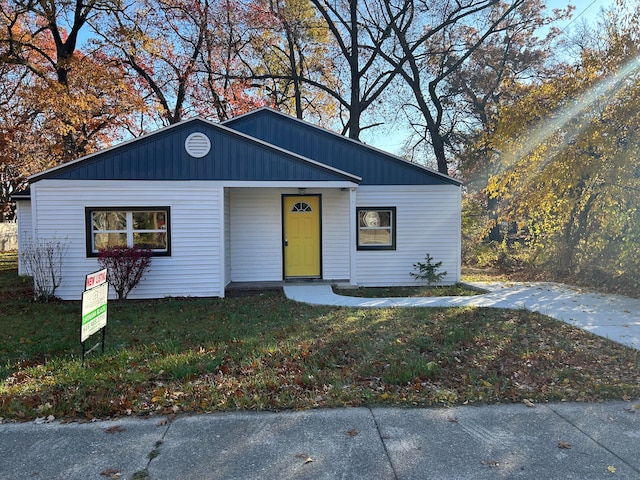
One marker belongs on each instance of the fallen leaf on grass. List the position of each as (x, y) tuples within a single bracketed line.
[(564, 445), (353, 432), (111, 473), (490, 463), (307, 458), (115, 429), (41, 420)]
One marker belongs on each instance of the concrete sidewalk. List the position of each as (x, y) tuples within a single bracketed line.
[(552, 441), (611, 316)]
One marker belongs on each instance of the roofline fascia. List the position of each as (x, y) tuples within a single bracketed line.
[(17, 198)]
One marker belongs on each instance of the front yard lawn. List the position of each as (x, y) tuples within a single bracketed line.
[(266, 352)]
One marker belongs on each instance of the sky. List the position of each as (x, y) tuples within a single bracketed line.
[(585, 9)]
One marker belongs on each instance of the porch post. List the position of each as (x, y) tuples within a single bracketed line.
[(353, 277), (223, 243)]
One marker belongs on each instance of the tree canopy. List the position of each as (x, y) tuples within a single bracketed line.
[(565, 168)]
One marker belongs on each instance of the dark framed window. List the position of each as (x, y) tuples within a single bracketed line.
[(144, 227), (376, 228)]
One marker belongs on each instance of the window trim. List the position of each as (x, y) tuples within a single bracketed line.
[(295, 208), (393, 226), (89, 226)]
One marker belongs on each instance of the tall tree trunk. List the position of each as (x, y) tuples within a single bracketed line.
[(355, 111), (295, 73), (438, 149), (492, 212)]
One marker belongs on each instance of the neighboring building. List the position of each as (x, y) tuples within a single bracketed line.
[(261, 197)]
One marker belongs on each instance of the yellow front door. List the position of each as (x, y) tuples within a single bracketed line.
[(301, 218)]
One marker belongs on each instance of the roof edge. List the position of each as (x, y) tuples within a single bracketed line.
[(24, 194)]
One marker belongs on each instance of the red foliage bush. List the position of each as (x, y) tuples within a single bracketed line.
[(125, 267)]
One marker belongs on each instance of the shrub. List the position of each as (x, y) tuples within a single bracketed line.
[(428, 271), (125, 267), (42, 260)]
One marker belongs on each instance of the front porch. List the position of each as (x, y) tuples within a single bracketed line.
[(235, 289), (263, 244)]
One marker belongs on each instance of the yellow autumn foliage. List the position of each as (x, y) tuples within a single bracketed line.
[(566, 169)]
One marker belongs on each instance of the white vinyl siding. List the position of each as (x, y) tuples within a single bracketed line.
[(195, 265), (336, 240), (219, 235), (427, 221), (25, 229), (256, 234)]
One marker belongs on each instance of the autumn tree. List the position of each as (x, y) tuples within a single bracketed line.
[(159, 42), (57, 102), (289, 51), (16, 119), (567, 169), (434, 46), (81, 97), (359, 31), (226, 83), (516, 54), (180, 53)]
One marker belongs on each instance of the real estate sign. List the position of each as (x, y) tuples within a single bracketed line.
[(96, 278), (94, 304)]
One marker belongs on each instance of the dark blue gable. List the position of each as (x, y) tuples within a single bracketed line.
[(162, 156), (373, 166)]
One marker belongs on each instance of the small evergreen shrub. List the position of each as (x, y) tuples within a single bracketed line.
[(125, 267), (428, 271)]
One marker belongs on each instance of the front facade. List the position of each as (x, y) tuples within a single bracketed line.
[(263, 197)]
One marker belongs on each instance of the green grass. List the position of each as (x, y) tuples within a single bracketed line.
[(421, 291), (265, 352)]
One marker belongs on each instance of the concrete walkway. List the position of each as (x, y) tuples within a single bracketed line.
[(567, 441), (611, 316)]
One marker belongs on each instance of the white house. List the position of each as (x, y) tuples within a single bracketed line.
[(261, 197)]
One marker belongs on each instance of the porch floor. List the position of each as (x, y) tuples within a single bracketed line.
[(239, 288)]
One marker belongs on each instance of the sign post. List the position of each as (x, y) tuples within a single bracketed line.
[(94, 309)]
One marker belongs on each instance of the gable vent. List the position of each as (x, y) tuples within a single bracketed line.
[(197, 145)]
